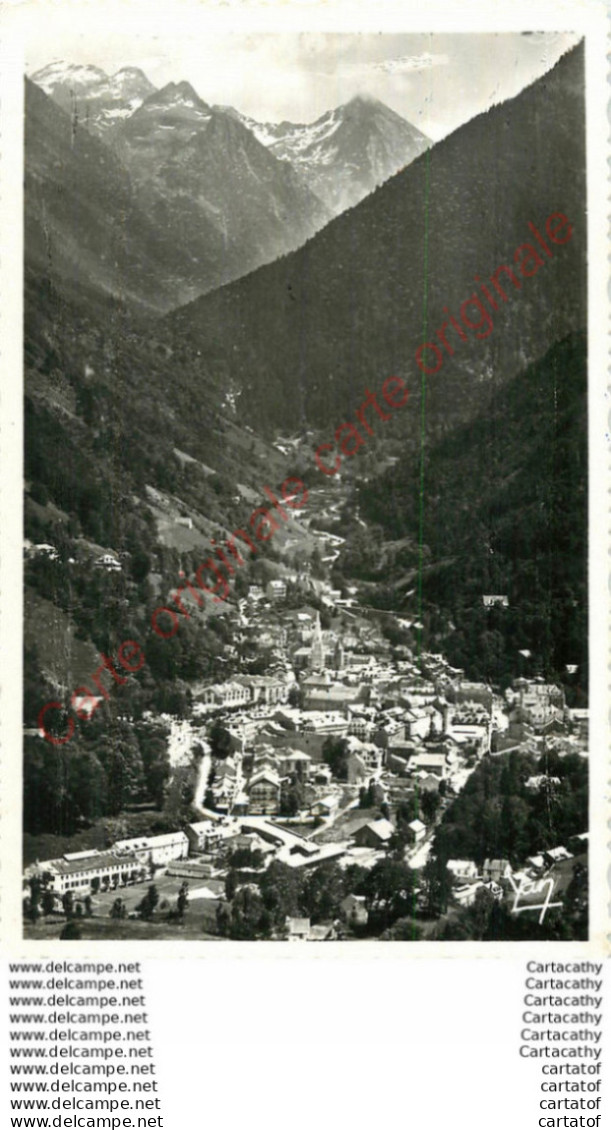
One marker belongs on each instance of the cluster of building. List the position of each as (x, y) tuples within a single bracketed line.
[(203, 850), (539, 876), (404, 725), (322, 749), (107, 561), (537, 718), (125, 862)]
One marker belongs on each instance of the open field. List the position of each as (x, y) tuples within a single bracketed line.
[(167, 886), (201, 912), (105, 929), (53, 632)]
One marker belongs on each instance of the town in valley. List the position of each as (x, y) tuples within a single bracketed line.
[(324, 796)]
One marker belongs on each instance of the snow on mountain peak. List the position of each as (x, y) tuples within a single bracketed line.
[(60, 73), (131, 77), (130, 72), (101, 101)]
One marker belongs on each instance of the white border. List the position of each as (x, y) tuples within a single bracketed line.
[(587, 18)]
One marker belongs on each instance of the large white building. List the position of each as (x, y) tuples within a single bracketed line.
[(155, 849), (78, 870), (226, 694), (122, 863)]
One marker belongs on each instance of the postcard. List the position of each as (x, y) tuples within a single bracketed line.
[(306, 476)]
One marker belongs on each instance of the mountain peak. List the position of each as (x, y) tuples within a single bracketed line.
[(364, 99), (367, 107), (180, 93), (60, 73), (130, 72), (348, 151), (131, 85), (378, 247)]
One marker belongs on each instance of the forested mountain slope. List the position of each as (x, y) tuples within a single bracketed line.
[(303, 336), (505, 507)]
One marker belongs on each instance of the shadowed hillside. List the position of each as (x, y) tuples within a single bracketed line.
[(505, 512), (83, 224), (305, 335), (171, 203)]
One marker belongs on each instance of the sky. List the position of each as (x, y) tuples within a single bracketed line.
[(435, 81)]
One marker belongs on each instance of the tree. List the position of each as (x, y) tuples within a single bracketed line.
[(295, 696), (291, 798), (43, 785), (479, 913), (48, 901), (223, 920), (118, 751), (39, 493), (335, 755), (437, 883), (140, 565), (248, 919), (148, 904), (367, 796), (405, 813), (514, 820), (281, 888), (220, 740), (88, 906), (323, 893), (86, 788), (317, 564), (63, 787), (118, 909), (153, 744), (32, 905), (389, 892), (244, 857), (231, 884), (429, 804), (182, 902), (403, 930), (68, 903), (71, 932)]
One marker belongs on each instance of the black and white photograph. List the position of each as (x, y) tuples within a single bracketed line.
[(305, 512)]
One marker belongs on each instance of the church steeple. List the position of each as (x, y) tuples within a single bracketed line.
[(317, 653)]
